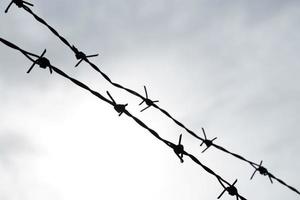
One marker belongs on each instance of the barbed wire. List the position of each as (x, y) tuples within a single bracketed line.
[(178, 149), (83, 57)]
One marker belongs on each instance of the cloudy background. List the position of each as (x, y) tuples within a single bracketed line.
[(231, 67)]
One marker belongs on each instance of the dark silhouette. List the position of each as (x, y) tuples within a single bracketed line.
[(138, 121), (81, 56), (120, 108), (22, 4), (42, 62), (207, 142), (140, 96), (263, 171), (148, 101), (232, 191), (18, 3), (64, 40), (179, 149)]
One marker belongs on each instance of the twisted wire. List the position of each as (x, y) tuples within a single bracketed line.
[(112, 103), (253, 164), (95, 67)]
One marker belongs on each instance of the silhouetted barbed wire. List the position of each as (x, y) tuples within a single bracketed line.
[(82, 57), (178, 149), (148, 101)]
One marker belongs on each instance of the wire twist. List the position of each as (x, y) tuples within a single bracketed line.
[(178, 149), (19, 3), (82, 57)]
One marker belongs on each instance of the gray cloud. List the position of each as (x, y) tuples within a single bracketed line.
[(13, 145), (231, 66)]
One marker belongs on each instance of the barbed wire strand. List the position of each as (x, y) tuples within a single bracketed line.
[(253, 164), (126, 112), (129, 90)]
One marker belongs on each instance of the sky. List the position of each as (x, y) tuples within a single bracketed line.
[(230, 66)]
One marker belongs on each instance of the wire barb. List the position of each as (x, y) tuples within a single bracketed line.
[(262, 170), (232, 191), (148, 101), (120, 108), (207, 142), (42, 62), (81, 56), (179, 149), (18, 3)]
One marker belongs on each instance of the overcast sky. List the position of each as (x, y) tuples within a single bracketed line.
[(231, 67)]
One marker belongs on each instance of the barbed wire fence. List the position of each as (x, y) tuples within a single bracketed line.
[(178, 149), (80, 56)]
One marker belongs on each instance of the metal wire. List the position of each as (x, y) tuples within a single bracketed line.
[(221, 180), (72, 47)]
